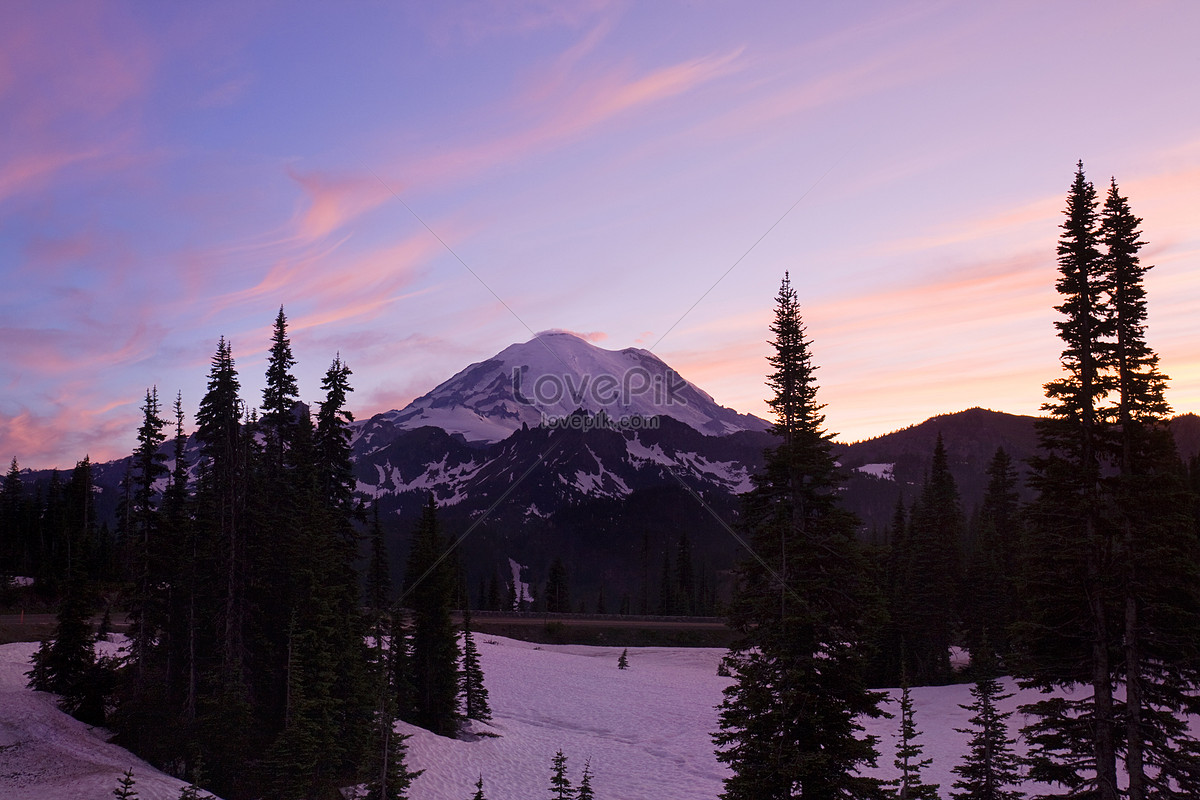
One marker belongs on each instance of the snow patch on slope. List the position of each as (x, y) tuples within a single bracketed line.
[(883, 471)]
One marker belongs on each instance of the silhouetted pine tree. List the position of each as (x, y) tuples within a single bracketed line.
[(66, 663), (685, 578), (803, 608), (14, 550), (558, 591), (1070, 624), (560, 784), (474, 692), (585, 783), (990, 770), (931, 579), (147, 606), (1156, 549), (125, 790), (990, 593), (429, 589), (908, 759)]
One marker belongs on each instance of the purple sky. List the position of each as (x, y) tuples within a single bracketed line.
[(173, 172)]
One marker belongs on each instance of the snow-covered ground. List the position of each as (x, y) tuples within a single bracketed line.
[(645, 730), (47, 755)]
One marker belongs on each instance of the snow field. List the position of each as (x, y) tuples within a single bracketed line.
[(48, 755), (645, 729)]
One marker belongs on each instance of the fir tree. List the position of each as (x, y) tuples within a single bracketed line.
[(479, 789), (125, 790), (931, 577), (146, 609), (379, 577), (1068, 631), (560, 784), (623, 659), (585, 783), (685, 579), (990, 770), (280, 394), (908, 759), (803, 609), (429, 589), (474, 693), (336, 475), (221, 504), (66, 664), (990, 594), (1158, 572), (13, 537), (666, 588), (558, 593)]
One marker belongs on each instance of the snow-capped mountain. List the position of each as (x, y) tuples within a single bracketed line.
[(555, 374)]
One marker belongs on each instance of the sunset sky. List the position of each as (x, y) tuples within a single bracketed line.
[(642, 173)]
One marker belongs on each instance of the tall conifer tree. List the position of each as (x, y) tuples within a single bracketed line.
[(429, 591), (1068, 634), (931, 578), (1156, 551), (146, 606), (803, 608)]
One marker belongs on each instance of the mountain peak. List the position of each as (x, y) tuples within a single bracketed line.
[(558, 372)]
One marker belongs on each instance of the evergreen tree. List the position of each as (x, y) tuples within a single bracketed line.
[(146, 606), (990, 770), (1156, 552), (685, 578), (429, 589), (388, 775), (221, 506), (474, 693), (66, 664), (931, 579), (379, 577), (479, 789), (623, 659), (224, 728), (560, 784), (891, 651), (803, 609), (585, 783), (125, 790), (666, 588), (13, 537), (336, 473), (558, 592), (989, 596), (280, 395), (1068, 633), (908, 759)]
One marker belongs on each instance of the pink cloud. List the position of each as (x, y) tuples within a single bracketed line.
[(559, 111), (31, 171), (589, 336), (65, 432), (335, 201)]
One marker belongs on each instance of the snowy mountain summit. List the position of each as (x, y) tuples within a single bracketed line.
[(545, 380)]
